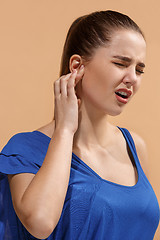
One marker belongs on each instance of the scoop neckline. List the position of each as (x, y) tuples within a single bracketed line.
[(105, 180), (96, 174)]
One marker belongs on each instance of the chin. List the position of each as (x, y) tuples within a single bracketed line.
[(114, 112)]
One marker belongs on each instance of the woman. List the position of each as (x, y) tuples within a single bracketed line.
[(80, 177)]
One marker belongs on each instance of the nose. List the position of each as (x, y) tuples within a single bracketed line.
[(130, 77)]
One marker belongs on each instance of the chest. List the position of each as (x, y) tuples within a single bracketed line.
[(115, 164), (94, 203)]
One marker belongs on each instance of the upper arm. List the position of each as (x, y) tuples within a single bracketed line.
[(18, 184), (35, 224), (141, 152)]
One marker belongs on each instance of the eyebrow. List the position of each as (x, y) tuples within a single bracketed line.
[(127, 59)]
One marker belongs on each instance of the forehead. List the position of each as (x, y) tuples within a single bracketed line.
[(127, 43)]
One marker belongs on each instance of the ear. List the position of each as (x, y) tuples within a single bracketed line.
[(76, 62)]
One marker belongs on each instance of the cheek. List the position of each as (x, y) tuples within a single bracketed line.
[(137, 86), (91, 90), (96, 78), (89, 86)]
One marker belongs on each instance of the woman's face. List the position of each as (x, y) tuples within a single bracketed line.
[(113, 75)]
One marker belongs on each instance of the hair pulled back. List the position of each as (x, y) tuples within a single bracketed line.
[(91, 31)]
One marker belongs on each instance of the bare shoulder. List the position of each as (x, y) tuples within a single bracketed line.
[(48, 129), (141, 151)]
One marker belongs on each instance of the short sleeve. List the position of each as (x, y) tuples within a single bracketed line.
[(24, 153)]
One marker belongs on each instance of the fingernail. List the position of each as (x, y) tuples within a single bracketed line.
[(74, 71)]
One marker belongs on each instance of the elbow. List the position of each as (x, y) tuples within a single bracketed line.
[(39, 226)]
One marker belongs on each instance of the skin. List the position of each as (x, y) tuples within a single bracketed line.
[(103, 148)]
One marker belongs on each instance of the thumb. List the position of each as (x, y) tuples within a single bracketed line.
[(79, 103), (80, 74)]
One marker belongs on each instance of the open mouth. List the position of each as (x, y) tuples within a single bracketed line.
[(122, 94)]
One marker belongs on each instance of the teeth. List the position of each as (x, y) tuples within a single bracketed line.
[(123, 93)]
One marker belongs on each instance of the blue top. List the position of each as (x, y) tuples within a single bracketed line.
[(94, 208)]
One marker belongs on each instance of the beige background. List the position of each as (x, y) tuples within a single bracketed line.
[(32, 34)]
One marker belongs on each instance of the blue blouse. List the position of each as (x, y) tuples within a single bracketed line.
[(94, 208)]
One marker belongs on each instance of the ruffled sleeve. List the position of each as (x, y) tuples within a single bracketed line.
[(24, 153)]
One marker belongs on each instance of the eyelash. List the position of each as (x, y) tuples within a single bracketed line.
[(123, 65), (140, 72)]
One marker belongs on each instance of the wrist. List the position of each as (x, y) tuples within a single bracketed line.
[(63, 132)]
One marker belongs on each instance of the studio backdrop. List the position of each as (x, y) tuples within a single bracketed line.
[(32, 35)]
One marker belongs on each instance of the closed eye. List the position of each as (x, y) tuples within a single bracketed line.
[(139, 71), (120, 64), (124, 65)]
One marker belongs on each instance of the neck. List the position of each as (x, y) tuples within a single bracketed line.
[(93, 129)]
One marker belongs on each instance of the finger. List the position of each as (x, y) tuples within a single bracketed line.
[(79, 74), (57, 87), (63, 84), (71, 83), (79, 103), (57, 84)]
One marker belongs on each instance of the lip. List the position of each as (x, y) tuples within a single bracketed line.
[(121, 99)]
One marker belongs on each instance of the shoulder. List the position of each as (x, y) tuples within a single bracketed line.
[(48, 129), (25, 143), (17, 156), (141, 151), (17, 141)]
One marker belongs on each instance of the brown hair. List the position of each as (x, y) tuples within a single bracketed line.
[(91, 31)]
